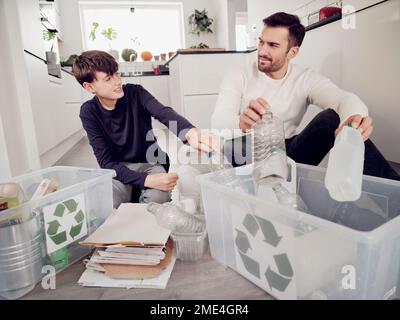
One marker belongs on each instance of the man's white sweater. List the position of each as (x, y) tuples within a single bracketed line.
[(288, 97)]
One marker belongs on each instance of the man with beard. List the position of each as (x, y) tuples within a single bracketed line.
[(286, 89)]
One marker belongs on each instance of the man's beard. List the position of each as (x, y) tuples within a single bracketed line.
[(274, 66)]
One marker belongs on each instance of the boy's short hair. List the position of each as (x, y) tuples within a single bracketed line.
[(92, 61), (292, 22)]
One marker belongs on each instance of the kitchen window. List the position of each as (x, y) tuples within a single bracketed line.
[(155, 27)]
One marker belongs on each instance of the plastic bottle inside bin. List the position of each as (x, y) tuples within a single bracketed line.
[(293, 201), (269, 150), (226, 176), (345, 166), (289, 199), (175, 219)]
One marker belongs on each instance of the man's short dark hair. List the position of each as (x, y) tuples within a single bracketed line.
[(92, 61), (292, 23)]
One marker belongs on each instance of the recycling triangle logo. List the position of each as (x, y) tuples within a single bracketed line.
[(66, 207), (280, 273), (65, 223)]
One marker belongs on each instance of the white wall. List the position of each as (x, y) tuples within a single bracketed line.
[(364, 61), (258, 10), (17, 136), (226, 22), (222, 23), (241, 5), (72, 28), (5, 169)]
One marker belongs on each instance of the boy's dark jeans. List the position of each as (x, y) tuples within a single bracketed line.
[(311, 146)]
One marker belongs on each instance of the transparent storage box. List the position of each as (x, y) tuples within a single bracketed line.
[(47, 231), (338, 250)]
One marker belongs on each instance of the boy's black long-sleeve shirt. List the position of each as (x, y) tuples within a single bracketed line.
[(119, 135)]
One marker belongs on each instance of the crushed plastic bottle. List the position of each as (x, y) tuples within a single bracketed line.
[(343, 177), (269, 150), (174, 218)]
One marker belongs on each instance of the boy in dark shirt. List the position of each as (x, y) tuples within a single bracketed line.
[(118, 124)]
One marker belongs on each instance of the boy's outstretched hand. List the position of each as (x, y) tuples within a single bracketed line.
[(161, 181), (202, 140)]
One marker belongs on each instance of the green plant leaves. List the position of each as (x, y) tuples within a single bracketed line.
[(109, 34), (92, 35), (49, 35), (200, 22)]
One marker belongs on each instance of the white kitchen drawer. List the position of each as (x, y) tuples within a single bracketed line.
[(198, 109)]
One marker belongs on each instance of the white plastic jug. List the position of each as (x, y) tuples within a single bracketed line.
[(343, 177)]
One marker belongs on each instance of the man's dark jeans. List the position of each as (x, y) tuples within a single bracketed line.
[(312, 144)]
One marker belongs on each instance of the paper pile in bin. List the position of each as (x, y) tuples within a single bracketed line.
[(132, 250)]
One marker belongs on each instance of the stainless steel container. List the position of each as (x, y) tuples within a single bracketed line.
[(22, 255)]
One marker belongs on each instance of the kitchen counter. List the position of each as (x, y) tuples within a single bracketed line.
[(145, 74), (208, 51), (164, 72)]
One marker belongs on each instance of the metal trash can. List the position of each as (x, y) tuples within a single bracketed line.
[(22, 255)]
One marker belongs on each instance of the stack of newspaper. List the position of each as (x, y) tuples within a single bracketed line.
[(132, 251)]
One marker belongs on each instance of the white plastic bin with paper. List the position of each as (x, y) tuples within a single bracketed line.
[(339, 250), (46, 231)]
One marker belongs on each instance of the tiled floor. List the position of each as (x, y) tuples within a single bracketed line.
[(81, 155)]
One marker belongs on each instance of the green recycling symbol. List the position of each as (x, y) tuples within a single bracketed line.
[(61, 210), (278, 280)]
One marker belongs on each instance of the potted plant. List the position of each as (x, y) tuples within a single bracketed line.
[(130, 54), (70, 61), (200, 22), (92, 34), (51, 56), (201, 45), (110, 34)]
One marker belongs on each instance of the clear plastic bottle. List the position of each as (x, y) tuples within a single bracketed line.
[(343, 177), (293, 201), (289, 199), (174, 218), (221, 166), (269, 150)]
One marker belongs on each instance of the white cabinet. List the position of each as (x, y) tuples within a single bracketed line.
[(195, 80), (203, 74), (30, 27), (54, 105), (51, 9), (359, 4)]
